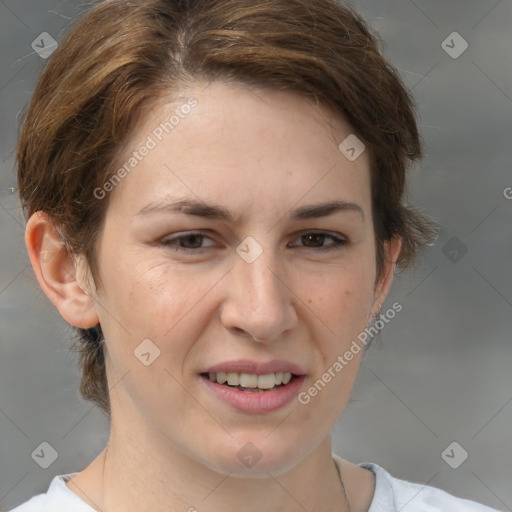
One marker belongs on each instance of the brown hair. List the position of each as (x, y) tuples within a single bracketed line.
[(122, 55)]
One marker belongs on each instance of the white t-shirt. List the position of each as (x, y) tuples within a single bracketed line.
[(391, 495)]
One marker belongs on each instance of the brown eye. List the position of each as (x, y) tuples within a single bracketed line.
[(316, 240), (313, 239), (192, 241)]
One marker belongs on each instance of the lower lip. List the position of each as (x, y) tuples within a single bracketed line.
[(259, 402)]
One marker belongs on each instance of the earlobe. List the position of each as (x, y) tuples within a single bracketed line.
[(56, 272)]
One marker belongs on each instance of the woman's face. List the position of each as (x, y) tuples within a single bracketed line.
[(250, 270)]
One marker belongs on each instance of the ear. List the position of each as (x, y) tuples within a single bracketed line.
[(57, 273), (391, 251)]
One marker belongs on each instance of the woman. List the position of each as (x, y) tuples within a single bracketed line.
[(215, 201)]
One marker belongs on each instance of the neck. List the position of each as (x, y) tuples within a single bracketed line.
[(171, 480)]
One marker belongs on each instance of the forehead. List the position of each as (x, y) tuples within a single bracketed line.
[(229, 143)]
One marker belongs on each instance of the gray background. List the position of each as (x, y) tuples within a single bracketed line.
[(439, 372)]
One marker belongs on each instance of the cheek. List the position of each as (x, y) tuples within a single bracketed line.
[(339, 304), (162, 299), (168, 306), (172, 304), (342, 299)]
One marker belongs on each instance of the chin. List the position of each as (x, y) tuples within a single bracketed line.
[(256, 457)]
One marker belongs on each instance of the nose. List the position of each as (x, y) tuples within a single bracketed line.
[(259, 303)]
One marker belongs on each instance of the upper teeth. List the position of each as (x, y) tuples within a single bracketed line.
[(251, 380)]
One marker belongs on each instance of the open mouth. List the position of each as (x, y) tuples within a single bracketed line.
[(250, 382)]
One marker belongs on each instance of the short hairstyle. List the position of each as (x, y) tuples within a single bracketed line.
[(122, 55)]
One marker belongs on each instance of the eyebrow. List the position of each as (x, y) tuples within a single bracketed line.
[(217, 212)]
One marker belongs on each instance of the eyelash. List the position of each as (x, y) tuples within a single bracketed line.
[(169, 243)]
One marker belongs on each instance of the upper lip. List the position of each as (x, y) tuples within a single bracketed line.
[(256, 367)]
